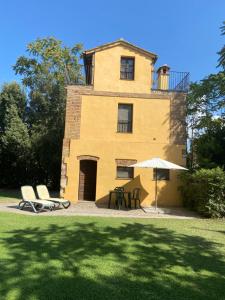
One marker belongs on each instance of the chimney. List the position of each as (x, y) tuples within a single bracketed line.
[(163, 77)]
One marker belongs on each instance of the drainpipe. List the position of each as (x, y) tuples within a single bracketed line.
[(163, 77)]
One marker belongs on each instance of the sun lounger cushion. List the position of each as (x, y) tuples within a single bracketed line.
[(44, 195)]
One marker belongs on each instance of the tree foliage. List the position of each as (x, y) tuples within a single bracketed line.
[(222, 51), (210, 145), (14, 137), (49, 62), (36, 121), (206, 118), (47, 69), (203, 188)]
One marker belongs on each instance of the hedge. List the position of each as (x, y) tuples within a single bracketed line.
[(204, 191)]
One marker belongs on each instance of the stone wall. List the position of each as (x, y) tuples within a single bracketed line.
[(72, 126)]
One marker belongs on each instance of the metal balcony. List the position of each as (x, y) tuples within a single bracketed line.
[(175, 81)]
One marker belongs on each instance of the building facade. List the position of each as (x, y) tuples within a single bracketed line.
[(125, 112)]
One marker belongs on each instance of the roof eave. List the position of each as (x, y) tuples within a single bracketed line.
[(153, 56)]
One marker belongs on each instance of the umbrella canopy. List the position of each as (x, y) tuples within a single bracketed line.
[(157, 163)]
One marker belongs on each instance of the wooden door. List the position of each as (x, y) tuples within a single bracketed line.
[(87, 180)]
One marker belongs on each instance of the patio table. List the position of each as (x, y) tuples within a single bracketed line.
[(124, 193)]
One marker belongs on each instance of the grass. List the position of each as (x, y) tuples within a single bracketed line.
[(7, 195), (13, 195), (111, 258)]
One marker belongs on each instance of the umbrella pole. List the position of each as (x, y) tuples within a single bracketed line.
[(156, 177)]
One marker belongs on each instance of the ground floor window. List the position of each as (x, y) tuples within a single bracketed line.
[(162, 174), (124, 172)]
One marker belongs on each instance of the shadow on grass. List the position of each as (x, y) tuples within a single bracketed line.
[(89, 261)]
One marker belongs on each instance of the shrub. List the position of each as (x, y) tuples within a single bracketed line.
[(204, 191)]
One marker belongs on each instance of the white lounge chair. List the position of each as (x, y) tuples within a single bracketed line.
[(43, 194), (29, 199)]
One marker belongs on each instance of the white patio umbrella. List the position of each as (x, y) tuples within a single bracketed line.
[(157, 163)]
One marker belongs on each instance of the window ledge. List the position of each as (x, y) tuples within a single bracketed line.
[(124, 132), (127, 79), (118, 178), (161, 179)]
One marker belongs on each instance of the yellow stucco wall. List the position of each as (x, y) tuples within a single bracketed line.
[(107, 71), (150, 138)]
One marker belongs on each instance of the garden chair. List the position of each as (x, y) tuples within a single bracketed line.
[(119, 188), (136, 197), (120, 198), (29, 199), (43, 194)]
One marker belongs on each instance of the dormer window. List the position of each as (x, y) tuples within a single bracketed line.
[(127, 68)]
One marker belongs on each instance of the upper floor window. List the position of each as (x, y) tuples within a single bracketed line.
[(125, 118), (127, 68)]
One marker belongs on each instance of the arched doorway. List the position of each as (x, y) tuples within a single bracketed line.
[(87, 180)]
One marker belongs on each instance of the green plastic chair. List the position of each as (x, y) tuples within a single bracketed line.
[(136, 195), (120, 198)]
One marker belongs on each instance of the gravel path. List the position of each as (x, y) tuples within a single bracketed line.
[(88, 208)]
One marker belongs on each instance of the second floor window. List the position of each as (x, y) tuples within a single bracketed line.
[(127, 68), (125, 118)]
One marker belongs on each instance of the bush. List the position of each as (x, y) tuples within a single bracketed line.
[(204, 191)]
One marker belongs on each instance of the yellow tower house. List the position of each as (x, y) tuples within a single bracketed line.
[(125, 112)]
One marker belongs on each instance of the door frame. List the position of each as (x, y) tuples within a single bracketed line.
[(87, 157)]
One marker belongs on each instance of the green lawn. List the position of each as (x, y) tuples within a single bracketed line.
[(10, 195), (109, 258), (7, 195)]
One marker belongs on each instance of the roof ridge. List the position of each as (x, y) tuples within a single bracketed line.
[(122, 41)]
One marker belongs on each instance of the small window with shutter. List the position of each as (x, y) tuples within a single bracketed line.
[(124, 172), (125, 118)]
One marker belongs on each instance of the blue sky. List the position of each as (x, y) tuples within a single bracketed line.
[(185, 34)]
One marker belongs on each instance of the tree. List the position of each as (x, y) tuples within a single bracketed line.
[(12, 94), (222, 51), (47, 69), (206, 117), (210, 145), (14, 137)]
